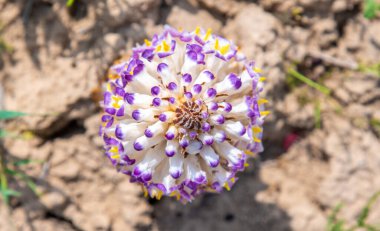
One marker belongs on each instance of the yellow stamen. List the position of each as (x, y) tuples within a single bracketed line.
[(216, 47), (262, 101), (159, 195), (246, 165), (257, 140), (117, 156), (262, 79), (165, 46), (114, 149), (249, 153), (264, 113), (147, 42), (145, 192), (113, 76), (225, 49), (116, 100), (257, 129), (256, 69), (175, 194), (233, 179), (158, 48), (208, 33), (109, 87), (198, 31), (227, 186)]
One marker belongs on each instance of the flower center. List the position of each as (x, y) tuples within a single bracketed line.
[(189, 115)]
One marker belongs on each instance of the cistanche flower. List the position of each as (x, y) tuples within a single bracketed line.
[(183, 113)]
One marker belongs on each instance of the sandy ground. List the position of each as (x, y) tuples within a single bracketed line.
[(58, 56)]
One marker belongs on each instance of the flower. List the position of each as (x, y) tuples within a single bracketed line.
[(182, 115)]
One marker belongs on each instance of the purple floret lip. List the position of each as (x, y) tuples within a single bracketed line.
[(228, 107), (184, 143), (188, 95), (220, 119), (136, 115), (107, 98), (187, 78), (197, 88), (234, 80), (170, 153), (146, 177), (110, 111), (172, 86), (148, 133), (206, 127), (120, 112), (110, 141), (209, 141), (200, 179), (210, 75), (169, 136), (162, 117), (137, 146), (214, 164), (193, 134), (129, 97), (119, 91), (161, 67), (171, 100), (156, 102), (211, 92), (243, 131), (119, 133), (205, 115), (176, 174), (155, 90)]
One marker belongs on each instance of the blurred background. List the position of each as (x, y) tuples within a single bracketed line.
[(321, 166)]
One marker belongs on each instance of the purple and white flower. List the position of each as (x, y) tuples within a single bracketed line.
[(182, 115)]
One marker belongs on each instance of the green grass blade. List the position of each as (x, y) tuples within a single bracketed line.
[(10, 114), (365, 211), (3, 133), (317, 115), (370, 9), (309, 82), (70, 3), (25, 162)]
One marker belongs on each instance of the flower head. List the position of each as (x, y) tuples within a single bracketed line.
[(182, 114)]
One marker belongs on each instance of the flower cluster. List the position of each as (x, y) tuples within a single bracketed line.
[(183, 113)]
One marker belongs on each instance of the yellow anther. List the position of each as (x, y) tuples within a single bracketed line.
[(227, 186), (113, 76), (165, 46), (208, 33), (257, 129), (265, 113), (109, 87), (117, 156), (145, 192), (158, 48), (262, 101), (147, 42), (249, 153), (197, 31), (175, 194), (114, 149), (131, 72), (233, 179), (257, 140), (116, 100), (256, 69), (262, 79), (159, 195), (224, 49), (246, 165), (216, 47)]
